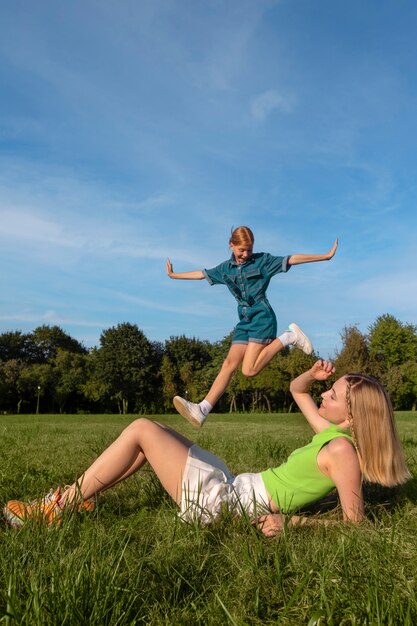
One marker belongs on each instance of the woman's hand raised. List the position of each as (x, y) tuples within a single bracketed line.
[(322, 370)]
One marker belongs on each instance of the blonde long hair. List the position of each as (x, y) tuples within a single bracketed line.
[(374, 432)]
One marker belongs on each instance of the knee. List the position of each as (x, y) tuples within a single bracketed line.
[(141, 422), (248, 371), (140, 425), (229, 365)]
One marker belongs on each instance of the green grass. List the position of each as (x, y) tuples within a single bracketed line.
[(133, 562)]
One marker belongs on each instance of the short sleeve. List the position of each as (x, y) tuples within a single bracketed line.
[(275, 264), (215, 274)]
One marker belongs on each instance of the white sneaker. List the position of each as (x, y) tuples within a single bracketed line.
[(301, 340), (190, 411)]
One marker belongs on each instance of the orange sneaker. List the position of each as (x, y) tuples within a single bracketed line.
[(46, 510)]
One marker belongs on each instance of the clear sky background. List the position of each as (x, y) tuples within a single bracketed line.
[(133, 130)]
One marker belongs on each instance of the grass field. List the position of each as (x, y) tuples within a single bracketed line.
[(133, 562)]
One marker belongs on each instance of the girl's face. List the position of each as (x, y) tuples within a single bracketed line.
[(333, 405), (241, 253)]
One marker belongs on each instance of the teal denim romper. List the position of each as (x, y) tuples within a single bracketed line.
[(248, 283)]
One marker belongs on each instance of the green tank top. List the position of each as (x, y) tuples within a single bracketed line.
[(299, 481)]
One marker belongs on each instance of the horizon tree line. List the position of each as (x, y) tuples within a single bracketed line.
[(49, 371)]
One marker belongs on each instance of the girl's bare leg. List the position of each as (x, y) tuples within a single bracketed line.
[(234, 358), (258, 355), (142, 441)]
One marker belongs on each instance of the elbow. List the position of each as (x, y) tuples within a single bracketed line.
[(249, 371)]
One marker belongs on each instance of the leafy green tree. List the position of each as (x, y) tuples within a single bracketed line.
[(354, 355), (11, 397), (391, 342), (412, 374), (35, 383), (127, 364), (95, 390), (47, 340), (15, 346), (70, 370), (401, 383), (169, 386), (185, 360), (393, 348)]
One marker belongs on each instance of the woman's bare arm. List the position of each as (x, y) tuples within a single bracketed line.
[(342, 466), (272, 524), (300, 390)]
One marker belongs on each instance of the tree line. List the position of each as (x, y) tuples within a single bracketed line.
[(47, 370)]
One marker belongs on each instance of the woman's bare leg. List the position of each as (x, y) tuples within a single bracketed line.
[(142, 441), (258, 355), (234, 358)]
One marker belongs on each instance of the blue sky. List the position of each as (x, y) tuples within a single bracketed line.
[(133, 130)]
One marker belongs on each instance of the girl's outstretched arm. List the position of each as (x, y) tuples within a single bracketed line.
[(195, 275), (298, 259)]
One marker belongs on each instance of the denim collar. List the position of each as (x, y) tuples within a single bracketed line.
[(234, 262)]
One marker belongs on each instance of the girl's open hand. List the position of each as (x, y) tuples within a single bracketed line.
[(333, 249), (322, 370), (169, 267)]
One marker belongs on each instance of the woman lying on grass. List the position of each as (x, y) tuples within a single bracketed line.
[(355, 440)]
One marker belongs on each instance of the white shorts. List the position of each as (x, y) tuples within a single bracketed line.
[(209, 487)]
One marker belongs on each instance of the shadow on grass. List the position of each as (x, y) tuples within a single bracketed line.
[(377, 498)]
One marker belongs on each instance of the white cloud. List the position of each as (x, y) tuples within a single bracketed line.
[(200, 308), (49, 317), (262, 105), (134, 234), (223, 44), (25, 224), (389, 291)]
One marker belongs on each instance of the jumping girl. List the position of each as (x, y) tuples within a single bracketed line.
[(247, 275), (355, 440)]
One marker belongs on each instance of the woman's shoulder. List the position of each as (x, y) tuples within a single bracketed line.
[(336, 441), (339, 453), (340, 444)]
